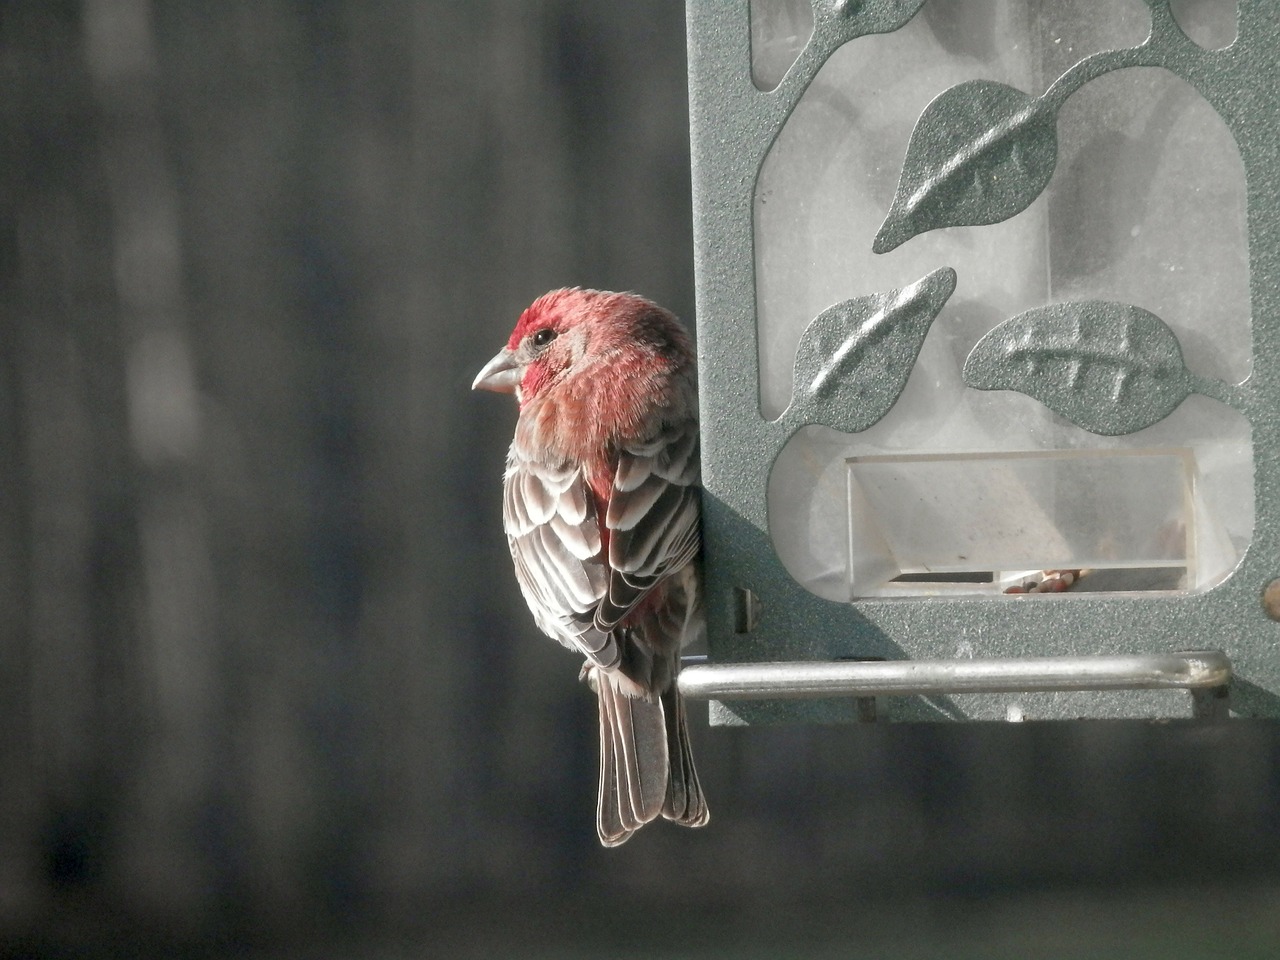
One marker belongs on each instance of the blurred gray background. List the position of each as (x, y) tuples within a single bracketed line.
[(267, 687)]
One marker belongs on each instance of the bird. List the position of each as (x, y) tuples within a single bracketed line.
[(601, 510)]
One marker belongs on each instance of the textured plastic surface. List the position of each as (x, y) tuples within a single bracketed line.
[(996, 317)]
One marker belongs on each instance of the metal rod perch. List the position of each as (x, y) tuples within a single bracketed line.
[(1196, 670)]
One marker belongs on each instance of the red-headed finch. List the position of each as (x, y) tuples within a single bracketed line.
[(600, 510)]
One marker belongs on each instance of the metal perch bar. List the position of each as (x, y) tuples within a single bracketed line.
[(1195, 670)]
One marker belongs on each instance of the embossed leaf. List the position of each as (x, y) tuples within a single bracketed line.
[(1109, 368), (854, 358), (980, 153)]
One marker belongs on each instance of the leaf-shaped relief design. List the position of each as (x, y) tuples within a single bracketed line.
[(980, 153), (1109, 368), (854, 358)]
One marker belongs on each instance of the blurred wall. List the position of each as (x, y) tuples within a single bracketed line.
[(262, 658)]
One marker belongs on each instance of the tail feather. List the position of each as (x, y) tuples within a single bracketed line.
[(685, 803), (646, 765), (642, 732), (609, 822), (633, 763)]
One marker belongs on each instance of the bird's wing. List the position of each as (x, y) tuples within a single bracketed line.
[(652, 517), (550, 518)]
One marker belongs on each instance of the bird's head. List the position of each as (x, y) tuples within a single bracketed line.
[(572, 330)]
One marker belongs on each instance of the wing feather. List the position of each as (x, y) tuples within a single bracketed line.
[(577, 595), (554, 536), (632, 472), (653, 524)]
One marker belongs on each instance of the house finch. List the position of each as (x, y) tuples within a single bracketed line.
[(600, 510)]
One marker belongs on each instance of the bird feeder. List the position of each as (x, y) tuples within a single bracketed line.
[(988, 303)]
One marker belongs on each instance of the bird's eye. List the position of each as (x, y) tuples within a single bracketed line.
[(543, 337)]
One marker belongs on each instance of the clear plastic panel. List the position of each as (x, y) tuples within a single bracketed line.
[(1211, 23), (1147, 206), (955, 521), (779, 31)]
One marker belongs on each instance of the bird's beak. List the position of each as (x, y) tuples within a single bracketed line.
[(501, 374)]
